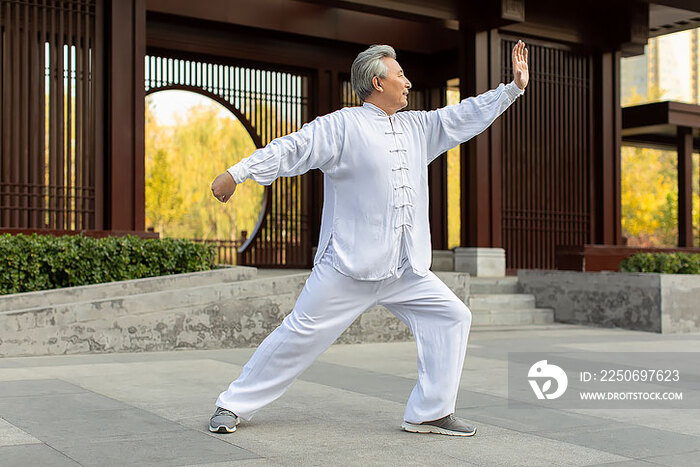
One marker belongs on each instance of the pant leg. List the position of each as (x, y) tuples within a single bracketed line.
[(440, 323), (328, 304)]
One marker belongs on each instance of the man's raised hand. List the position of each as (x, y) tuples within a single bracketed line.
[(520, 71), (223, 187)]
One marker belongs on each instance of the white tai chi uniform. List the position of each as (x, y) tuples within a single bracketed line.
[(374, 246)]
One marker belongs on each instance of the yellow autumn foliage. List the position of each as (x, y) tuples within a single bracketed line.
[(454, 224), (181, 162)]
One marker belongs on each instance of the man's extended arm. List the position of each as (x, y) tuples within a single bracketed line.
[(316, 145), (452, 125), (449, 126)]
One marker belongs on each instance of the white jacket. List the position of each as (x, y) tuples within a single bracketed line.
[(375, 175)]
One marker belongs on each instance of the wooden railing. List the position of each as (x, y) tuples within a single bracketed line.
[(226, 250)]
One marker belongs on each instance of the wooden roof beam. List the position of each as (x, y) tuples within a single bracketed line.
[(315, 20), (415, 10), (482, 16)]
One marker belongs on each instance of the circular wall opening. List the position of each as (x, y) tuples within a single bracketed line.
[(190, 139)]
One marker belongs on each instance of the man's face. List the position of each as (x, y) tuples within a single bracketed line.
[(395, 86)]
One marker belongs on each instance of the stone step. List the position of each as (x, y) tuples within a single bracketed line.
[(485, 285), (458, 282), (501, 301), (95, 292), (134, 305), (512, 317)]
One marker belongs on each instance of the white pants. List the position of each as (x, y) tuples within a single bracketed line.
[(328, 304)]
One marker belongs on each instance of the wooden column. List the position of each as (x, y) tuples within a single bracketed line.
[(495, 147), (437, 180), (606, 165), (476, 208), (685, 186), (124, 132), (326, 99)]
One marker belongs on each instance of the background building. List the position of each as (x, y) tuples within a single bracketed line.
[(670, 63)]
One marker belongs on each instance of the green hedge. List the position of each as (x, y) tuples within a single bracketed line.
[(40, 262), (666, 263)]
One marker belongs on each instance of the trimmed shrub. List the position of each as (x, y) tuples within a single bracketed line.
[(40, 262), (665, 263)]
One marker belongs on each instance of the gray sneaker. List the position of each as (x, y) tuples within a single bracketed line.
[(449, 425), (223, 421)]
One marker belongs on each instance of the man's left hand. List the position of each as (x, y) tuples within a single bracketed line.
[(521, 76), (223, 187)]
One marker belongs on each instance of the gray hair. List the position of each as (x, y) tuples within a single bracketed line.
[(366, 66)]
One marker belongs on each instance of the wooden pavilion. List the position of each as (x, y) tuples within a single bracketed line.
[(75, 74)]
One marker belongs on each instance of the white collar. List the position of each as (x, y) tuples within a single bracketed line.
[(375, 109)]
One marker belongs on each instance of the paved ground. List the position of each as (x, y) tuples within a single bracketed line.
[(153, 409)]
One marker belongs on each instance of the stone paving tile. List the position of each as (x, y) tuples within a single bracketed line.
[(152, 383), (398, 359), (675, 420), (162, 449), (94, 426), (37, 387), (361, 381), (678, 345), (530, 420), (471, 399), (10, 435), (33, 454), (240, 463), (57, 406), (64, 418), (98, 358), (674, 460), (390, 456), (627, 440), (627, 463)]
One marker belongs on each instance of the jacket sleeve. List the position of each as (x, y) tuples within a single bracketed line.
[(454, 124), (317, 145)]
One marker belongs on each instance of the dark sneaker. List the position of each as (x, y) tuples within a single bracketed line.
[(449, 425), (223, 421)]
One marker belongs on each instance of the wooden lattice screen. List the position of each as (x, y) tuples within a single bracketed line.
[(547, 154), (48, 101)]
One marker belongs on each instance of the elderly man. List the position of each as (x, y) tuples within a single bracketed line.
[(374, 246)]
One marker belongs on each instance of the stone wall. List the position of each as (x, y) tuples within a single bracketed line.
[(639, 301), (680, 302)]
